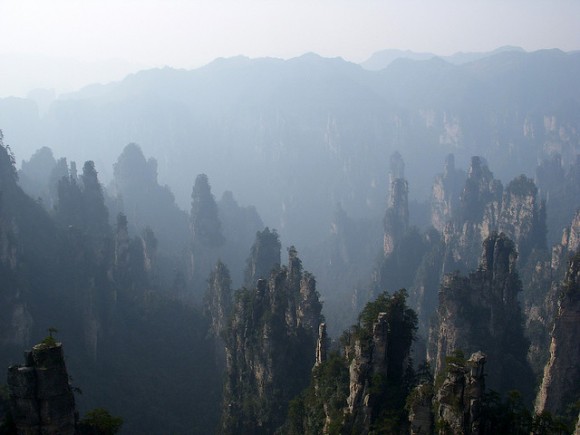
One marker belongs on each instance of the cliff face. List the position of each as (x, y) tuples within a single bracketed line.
[(459, 400), (396, 220), (476, 216), (543, 279), (369, 360), (41, 399), (421, 410), (270, 349), (481, 311), (558, 180), (445, 194), (522, 216), (378, 354), (27, 248), (560, 385), (484, 207)]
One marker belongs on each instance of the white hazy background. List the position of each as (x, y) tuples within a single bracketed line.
[(65, 44)]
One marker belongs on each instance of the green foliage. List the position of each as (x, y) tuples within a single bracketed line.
[(513, 417), (99, 421), (388, 393), (327, 393), (49, 341), (424, 389), (259, 335), (457, 358)]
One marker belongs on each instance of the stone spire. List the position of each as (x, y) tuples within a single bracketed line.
[(41, 399), (321, 344)]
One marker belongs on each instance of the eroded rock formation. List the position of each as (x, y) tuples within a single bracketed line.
[(421, 410), (396, 220), (481, 312), (270, 349), (369, 360), (484, 207), (459, 400), (41, 399), (561, 383), (445, 194)]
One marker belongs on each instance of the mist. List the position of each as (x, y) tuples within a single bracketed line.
[(270, 217)]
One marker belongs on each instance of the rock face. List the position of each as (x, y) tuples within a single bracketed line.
[(264, 256), (481, 311), (396, 220), (321, 345), (523, 216), (445, 194), (477, 215), (270, 348), (420, 410), (41, 399), (542, 286), (559, 186), (367, 361), (571, 235), (484, 207), (561, 383), (459, 401), (378, 353)]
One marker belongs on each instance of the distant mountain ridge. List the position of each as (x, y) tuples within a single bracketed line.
[(264, 127), (382, 59)]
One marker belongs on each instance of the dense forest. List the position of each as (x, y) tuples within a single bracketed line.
[(392, 251)]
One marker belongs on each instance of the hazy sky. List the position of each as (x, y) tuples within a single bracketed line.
[(187, 34)]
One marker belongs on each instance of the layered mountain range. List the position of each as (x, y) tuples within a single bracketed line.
[(438, 300), (243, 120)]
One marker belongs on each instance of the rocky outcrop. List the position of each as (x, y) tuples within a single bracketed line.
[(481, 195), (271, 344), (264, 256), (558, 180), (543, 280), (396, 220), (477, 216), (321, 345), (358, 398), (560, 385), (484, 207), (523, 216), (459, 400), (481, 311), (41, 399), (368, 361), (421, 410), (377, 351), (219, 299), (571, 236), (445, 194)]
